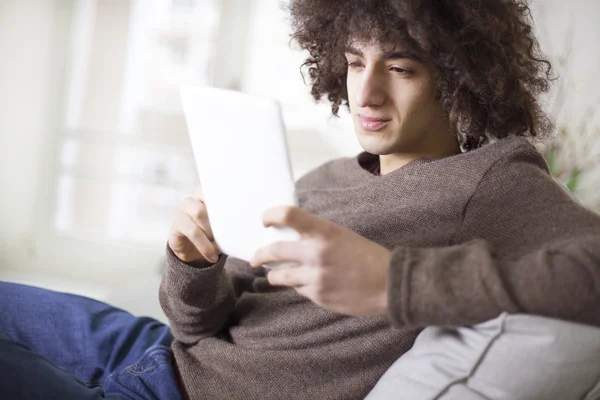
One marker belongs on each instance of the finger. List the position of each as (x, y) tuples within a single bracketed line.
[(279, 252), (291, 277), (196, 235), (196, 210), (301, 221)]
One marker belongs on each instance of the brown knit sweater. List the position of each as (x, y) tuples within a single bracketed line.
[(472, 235)]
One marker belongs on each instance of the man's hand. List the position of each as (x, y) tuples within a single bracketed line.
[(191, 237), (337, 268)]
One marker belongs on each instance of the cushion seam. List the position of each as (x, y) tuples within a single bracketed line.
[(478, 360)]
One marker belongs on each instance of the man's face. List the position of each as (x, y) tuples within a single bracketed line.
[(392, 98)]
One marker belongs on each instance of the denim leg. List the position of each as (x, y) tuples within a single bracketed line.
[(150, 378), (81, 336), (26, 375)]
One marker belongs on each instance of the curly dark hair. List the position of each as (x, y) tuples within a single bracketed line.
[(489, 67)]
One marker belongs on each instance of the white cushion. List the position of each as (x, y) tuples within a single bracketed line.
[(512, 357)]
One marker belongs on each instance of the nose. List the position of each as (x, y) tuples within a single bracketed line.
[(371, 90)]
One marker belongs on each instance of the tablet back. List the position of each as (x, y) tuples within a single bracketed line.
[(242, 159)]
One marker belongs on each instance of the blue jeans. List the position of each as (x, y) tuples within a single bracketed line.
[(62, 346)]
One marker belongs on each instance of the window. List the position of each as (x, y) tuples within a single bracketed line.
[(125, 162), (125, 158)]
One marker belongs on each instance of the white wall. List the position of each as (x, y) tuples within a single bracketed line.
[(26, 107), (34, 39)]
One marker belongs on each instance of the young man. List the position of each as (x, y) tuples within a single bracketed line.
[(449, 217)]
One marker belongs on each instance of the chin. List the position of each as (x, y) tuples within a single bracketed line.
[(376, 144)]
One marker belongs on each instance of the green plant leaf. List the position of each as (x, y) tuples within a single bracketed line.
[(573, 181), (551, 160)]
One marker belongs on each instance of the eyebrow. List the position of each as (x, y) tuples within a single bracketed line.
[(388, 55)]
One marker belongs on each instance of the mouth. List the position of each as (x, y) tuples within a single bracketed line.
[(373, 124)]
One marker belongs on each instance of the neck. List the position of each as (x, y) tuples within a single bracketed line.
[(391, 162)]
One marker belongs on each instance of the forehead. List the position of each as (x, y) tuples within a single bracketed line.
[(378, 49), (375, 45)]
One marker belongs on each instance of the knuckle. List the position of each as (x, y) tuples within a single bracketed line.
[(287, 214), (319, 253), (198, 213), (199, 216), (319, 278)]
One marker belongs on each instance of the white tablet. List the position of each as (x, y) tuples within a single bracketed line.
[(239, 145)]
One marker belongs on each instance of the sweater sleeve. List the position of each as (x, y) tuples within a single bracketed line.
[(197, 300), (526, 247)]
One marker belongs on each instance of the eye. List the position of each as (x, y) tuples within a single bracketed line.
[(400, 71), (355, 64)]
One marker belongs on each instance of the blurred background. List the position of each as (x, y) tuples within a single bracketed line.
[(94, 150)]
